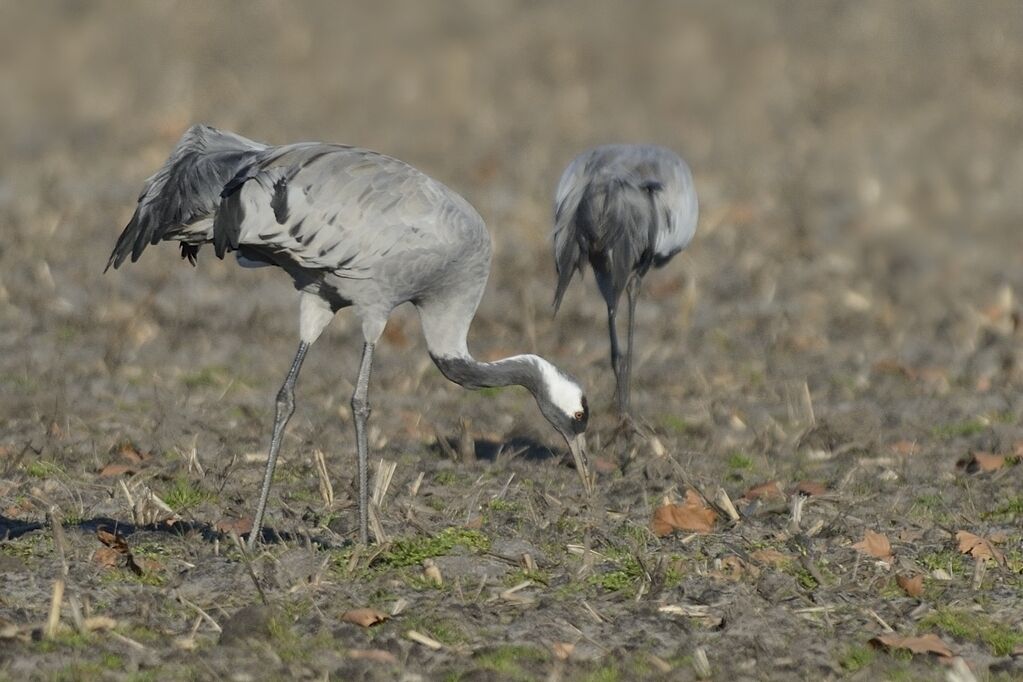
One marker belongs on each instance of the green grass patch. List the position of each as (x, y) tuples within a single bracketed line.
[(490, 391), (508, 660), (625, 573), (1001, 639), (1009, 509), (43, 469), (737, 461), (856, 658), (677, 425), (960, 429), (948, 559), (412, 551), (185, 494), (207, 377)]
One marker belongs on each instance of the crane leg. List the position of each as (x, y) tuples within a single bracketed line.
[(616, 358), (285, 408), (361, 410), (632, 291)]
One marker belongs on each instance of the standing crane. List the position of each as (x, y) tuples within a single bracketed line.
[(352, 228), (624, 208)]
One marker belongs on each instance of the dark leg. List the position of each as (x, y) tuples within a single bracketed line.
[(616, 357), (632, 291), (285, 408), (360, 410)]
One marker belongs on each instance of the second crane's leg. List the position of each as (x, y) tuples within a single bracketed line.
[(360, 410), (616, 357), (285, 408), (632, 291)]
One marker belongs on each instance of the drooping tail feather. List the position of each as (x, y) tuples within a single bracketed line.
[(611, 217), (184, 191)]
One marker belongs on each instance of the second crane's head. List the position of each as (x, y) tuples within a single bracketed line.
[(563, 403)]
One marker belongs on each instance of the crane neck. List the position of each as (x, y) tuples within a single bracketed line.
[(466, 371)]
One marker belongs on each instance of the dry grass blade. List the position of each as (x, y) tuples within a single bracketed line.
[(382, 481), (724, 503), (326, 488), (420, 638), (53, 620)]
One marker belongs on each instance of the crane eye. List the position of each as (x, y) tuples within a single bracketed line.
[(578, 416)]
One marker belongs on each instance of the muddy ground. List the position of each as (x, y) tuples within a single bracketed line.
[(847, 315)]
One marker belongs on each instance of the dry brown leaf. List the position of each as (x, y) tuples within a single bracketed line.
[(764, 491), (118, 544), (1017, 449), (604, 465), (904, 447), (107, 556), (692, 515), (981, 462), (129, 452), (734, 569), (922, 644), (875, 545), (811, 488), (111, 470), (374, 655), (770, 557), (365, 617), (562, 650), (240, 526), (913, 586), (979, 548)]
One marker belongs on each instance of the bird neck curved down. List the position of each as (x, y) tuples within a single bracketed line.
[(468, 372)]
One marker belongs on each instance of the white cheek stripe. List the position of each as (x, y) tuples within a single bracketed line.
[(565, 393)]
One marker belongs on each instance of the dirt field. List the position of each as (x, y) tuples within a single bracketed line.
[(846, 321)]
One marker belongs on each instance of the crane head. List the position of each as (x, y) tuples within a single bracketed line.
[(563, 403)]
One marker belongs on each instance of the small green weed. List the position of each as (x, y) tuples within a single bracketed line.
[(1001, 639), (412, 551)]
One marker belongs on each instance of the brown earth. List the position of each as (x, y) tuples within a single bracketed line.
[(847, 315)]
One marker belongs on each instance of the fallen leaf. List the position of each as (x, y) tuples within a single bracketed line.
[(875, 545), (605, 465), (111, 470), (811, 488), (1017, 449), (129, 452), (733, 568), (770, 557), (904, 447), (240, 526), (374, 655), (692, 515), (107, 556), (562, 650), (981, 462), (913, 586), (764, 491), (365, 617), (922, 644), (979, 548), (118, 544)]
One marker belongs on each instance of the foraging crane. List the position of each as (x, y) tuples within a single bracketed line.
[(352, 228), (624, 208)]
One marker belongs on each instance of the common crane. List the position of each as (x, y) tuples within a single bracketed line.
[(352, 227)]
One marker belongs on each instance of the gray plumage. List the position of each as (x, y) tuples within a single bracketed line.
[(352, 228), (623, 209)]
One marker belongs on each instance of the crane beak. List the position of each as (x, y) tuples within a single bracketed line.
[(577, 444)]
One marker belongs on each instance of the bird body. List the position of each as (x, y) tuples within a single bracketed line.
[(623, 209), (352, 227)]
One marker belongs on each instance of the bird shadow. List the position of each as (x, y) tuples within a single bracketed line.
[(518, 447), (12, 529)]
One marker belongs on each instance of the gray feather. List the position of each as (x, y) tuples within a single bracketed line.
[(184, 191), (624, 209)]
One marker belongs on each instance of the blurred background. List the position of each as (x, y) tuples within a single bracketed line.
[(859, 168)]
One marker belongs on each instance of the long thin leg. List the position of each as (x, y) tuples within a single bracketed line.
[(285, 408), (360, 410), (616, 357), (632, 290)]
